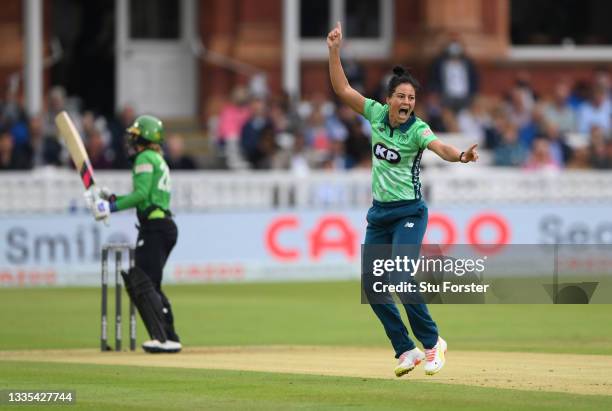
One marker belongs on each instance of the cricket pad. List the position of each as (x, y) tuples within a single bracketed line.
[(148, 302)]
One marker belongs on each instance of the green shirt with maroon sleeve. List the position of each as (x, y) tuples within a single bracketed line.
[(151, 184), (396, 154)]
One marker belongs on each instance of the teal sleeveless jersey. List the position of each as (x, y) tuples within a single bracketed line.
[(396, 154)]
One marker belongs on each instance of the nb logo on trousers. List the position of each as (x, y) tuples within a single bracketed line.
[(409, 225)]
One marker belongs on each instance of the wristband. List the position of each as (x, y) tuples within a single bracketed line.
[(461, 157)]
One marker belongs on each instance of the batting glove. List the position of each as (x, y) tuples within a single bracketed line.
[(101, 209), (106, 194), (90, 197)]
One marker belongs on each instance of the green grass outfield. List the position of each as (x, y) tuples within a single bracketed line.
[(147, 388), (287, 313)]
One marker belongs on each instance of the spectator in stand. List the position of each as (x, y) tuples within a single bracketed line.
[(541, 158), (581, 159), (518, 108), (595, 112), (266, 149), (474, 120), (11, 111), (336, 160), (5, 113), (299, 159), (559, 111), (122, 121), (454, 77), (99, 155), (19, 130), (598, 149), (609, 153), (354, 70), (56, 102), (364, 164), (234, 114), (175, 154), (253, 130), (522, 83), (88, 125), (494, 133), (232, 118), (279, 117), (92, 124), (14, 119), (436, 115), (450, 120), (336, 128), (42, 150), (7, 159), (535, 127), (286, 122), (316, 132), (509, 152), (602, 79), (357, 143), (579, 94), (351, 119), (10, 158), (289, 107), (561, 152), (380, 91)]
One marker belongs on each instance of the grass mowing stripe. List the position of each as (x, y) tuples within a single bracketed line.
[(302, 314), (139, 388)]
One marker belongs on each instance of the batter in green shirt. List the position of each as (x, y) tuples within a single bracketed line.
[(151, 182), (157, 231)]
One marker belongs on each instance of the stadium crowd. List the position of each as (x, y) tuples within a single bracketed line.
[(568, 127)]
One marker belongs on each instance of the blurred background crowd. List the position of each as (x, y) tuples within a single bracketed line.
[(565, 127)]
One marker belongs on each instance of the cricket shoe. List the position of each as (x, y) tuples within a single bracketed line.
[(409, 360), (436, 357), (157, 347)]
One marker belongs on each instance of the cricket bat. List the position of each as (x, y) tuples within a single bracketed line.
[(76, 148)]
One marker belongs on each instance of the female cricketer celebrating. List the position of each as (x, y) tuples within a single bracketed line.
[(157, 231), (398, 214)]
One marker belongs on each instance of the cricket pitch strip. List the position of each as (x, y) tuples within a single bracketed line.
[(567, 373)]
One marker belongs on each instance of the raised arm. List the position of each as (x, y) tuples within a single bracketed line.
[(450, 153), (342, 88)]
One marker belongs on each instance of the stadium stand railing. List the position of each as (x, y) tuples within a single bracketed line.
[(59, 190)]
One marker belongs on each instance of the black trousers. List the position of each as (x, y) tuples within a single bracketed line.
[(156, 239)]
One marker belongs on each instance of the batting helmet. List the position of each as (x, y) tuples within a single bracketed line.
[(148, 128)]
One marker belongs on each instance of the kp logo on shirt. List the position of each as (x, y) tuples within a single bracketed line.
[(382, 152)]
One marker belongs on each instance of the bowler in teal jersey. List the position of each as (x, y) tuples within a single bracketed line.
[(398, 215)]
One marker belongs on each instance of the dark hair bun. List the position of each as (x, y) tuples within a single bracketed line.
[(401, 75), (399, 71)]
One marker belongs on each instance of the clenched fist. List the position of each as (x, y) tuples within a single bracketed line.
[(334, 38)]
